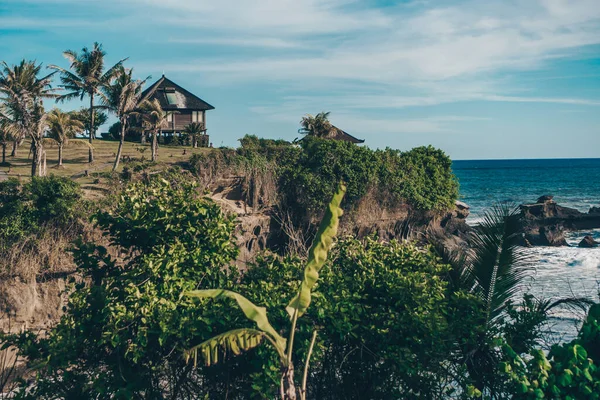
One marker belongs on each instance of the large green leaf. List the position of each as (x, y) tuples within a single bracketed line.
[(235, 341), (318, 253), (250, 310)]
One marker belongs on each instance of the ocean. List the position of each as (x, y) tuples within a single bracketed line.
[(556, 271)]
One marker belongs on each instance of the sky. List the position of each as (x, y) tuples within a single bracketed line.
[(479, 79)]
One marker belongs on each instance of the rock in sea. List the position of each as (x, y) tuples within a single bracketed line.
[(588, 242)]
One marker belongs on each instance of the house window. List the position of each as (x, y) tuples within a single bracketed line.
[(171, 99), (197, 116)]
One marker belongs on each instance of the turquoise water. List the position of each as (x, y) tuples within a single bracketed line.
[(556, 272)]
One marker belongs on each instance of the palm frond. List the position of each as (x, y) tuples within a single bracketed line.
[(499, 263)]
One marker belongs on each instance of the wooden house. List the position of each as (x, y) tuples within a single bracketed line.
[(187, 107)]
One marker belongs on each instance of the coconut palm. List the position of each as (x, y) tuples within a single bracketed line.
[(22, 93), (317, 125), (154, 118), (62, 127), (194, 131), (7, 133), (86, 78), (123, 97)]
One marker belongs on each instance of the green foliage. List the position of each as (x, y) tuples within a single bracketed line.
[(246, 339), (83, 115), (126, 324), (388, 325), (253, 142), (422, 176), (254, 313), (569, 371), (43, 200), (305, 176)]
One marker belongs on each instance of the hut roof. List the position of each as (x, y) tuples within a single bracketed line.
[(173, 97), (338, 134)]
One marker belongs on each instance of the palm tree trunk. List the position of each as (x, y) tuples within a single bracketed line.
[(194, 141), (36, 162), (3, 152), (154, 146), (143, 138), (92, 130), (60, 154), (120, 149), (14, 148)]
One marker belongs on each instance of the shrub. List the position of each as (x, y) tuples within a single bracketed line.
[(387, 325), (126, 324), (569, 371), (44, 200)]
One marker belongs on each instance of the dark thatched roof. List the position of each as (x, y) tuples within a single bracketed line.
[(173, 97), (338, 134)]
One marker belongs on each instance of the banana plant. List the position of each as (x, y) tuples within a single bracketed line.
[(237, 341)]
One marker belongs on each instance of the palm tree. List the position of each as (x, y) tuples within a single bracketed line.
[(62, 127), (123, 99), (22, 94), (194, 131), (87, 79), (7, 133), (493, 270), (154, 118), (318, 125)]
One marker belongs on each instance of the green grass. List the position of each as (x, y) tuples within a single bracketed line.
[(75, 159)]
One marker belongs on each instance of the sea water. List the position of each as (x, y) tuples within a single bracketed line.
[(556, 271)]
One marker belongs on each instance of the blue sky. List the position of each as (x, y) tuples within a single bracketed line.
[(479, 79)]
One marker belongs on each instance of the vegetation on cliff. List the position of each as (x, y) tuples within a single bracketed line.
[(393, 320), (305, 175)]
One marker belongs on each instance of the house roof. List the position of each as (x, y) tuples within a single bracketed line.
[(338, 134), (173, 97), (335, 133)]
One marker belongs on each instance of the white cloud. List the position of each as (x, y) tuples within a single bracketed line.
[(412, 54)]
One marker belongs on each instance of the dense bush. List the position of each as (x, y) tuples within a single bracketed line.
[(569, 371), (126, 325), (390, 323), (385, 316), (387, 322), (24, 208), (422, 176), (306, 174)]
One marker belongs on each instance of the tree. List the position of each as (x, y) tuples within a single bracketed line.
[(244, 339), (154, 119), (318, 125), (62, 127), (194, 130), (123, 98), (7, 133), (87, 79), (22, 93), (83, 115)]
